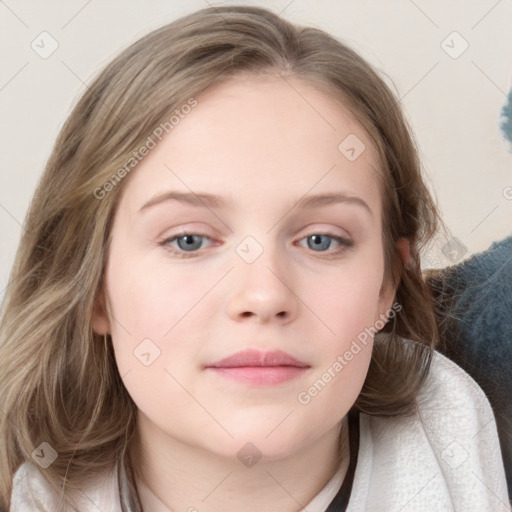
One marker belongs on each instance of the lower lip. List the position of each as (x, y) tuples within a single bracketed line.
[(260, 375)]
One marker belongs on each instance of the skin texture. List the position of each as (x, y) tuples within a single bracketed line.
[(262, 145)]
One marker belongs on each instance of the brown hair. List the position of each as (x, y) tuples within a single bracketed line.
[(60, 383)]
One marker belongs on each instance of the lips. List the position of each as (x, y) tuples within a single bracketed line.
[(259, 368), (255, 358)]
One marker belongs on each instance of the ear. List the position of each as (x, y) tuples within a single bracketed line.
[(100, 320), (387, 292), (386, 298), (404, 248)]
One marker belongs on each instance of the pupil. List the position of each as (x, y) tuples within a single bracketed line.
[(188, 242), (317, 241)]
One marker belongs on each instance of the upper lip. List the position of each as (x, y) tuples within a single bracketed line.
[(258, 358)]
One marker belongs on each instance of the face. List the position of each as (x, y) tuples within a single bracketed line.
[(240, 318)]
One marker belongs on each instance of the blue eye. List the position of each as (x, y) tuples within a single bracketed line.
[(188, 242), (324, 240)]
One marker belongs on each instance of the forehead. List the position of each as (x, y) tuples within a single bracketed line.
[(262, 138)]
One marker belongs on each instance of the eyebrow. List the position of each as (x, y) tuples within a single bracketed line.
[(204, 200)]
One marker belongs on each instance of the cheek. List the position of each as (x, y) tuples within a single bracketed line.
[(151, 310), (350, 296), (149, 301), (348, 305), (348, 311), (150, 318)]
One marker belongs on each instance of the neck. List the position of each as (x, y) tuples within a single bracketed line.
[(184, 477)]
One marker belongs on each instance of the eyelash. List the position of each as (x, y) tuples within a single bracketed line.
[(344, 243)]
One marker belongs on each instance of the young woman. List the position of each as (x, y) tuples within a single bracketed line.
[(217, 302)]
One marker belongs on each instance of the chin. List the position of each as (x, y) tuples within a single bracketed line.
[(257, 443)]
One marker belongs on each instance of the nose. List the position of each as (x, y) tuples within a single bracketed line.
[(263, 290)]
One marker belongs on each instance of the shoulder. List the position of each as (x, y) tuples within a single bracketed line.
[(31, 492), (460, 427), (457, 418), (448, 383), (446, 456)]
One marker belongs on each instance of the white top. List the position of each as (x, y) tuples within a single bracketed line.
[(446, 457)]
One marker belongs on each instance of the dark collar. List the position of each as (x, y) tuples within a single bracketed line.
[(340, 501)]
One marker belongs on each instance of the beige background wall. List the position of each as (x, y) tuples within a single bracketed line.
[(453, 95)]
